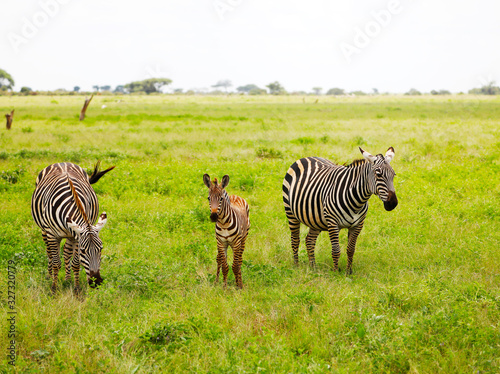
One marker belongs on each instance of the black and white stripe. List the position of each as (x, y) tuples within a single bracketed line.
[(64, 205), (329, 197)]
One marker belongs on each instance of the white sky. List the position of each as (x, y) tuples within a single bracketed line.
[(427, 44)]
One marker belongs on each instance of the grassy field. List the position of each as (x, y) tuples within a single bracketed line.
[(425, 293)]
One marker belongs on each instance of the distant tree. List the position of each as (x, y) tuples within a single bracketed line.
[(257, 91), (105, 88), (358, 93), (375, 91), (226, 83), (413, 92), (489, 89), (247, 88), (148, 85), (25, 90), (76, 88), (119, 89), (440, 92), (6, 81), (317, 90), (178, 90), (336, 91), (96, 88), (276, 88)]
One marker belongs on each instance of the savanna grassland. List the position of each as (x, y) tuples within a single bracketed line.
[(425, 293)]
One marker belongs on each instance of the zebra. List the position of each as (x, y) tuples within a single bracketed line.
[(64, 205), (329, 197), (231, 214)]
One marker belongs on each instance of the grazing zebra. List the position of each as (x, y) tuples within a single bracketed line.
[(329, 197), (64, 205), (231, 214)]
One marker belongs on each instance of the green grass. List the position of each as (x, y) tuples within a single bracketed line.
[(424, 296)]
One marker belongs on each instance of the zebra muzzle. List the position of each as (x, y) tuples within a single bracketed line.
[(392, 201), (214, 216), (95, 280)]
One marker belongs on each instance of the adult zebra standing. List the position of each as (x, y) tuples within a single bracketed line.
[(231, 214), (329, 197), (64, 205)]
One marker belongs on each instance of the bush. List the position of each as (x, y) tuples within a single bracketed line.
[(264, 152), (257, 91)]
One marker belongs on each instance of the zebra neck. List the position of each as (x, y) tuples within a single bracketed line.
[(361, 188), (225, 210)]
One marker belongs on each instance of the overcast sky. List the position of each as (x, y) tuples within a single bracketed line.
[(390, 45)]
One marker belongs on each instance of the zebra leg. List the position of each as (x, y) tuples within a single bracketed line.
[(295, 235), (237, 261), (44, 236), (310, 244), (333, 231), (75, 265), (68, 252), (53, 248), (222, 260), (351, 246)]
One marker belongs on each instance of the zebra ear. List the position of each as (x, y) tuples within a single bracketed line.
[(207, 181), (225, 181), (103, 219), (368, 156), (74, 226), (389, 155)]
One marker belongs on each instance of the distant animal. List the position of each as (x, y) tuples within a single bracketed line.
[(232, 223), (9, 117), (329, 197), (64, 205)]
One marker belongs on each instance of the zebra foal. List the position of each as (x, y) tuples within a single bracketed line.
[(64, 205), (329, 197), (232, 223)]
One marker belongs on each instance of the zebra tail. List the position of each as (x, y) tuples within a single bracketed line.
[(97, 174), (78, 202)]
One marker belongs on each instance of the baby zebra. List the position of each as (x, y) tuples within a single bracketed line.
[(231, 214)]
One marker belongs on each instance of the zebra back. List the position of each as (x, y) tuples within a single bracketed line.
[(54, 199)]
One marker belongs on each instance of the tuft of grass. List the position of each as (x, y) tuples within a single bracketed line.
[(265, 152)]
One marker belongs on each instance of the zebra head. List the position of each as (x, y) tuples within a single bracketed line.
[(381, 178), (90, 247), (216, 193)]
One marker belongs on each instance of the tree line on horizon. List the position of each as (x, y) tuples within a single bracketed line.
[(156, 85)]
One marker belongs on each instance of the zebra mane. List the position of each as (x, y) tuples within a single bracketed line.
[(354, 163), (78, 202), (358, 162)]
